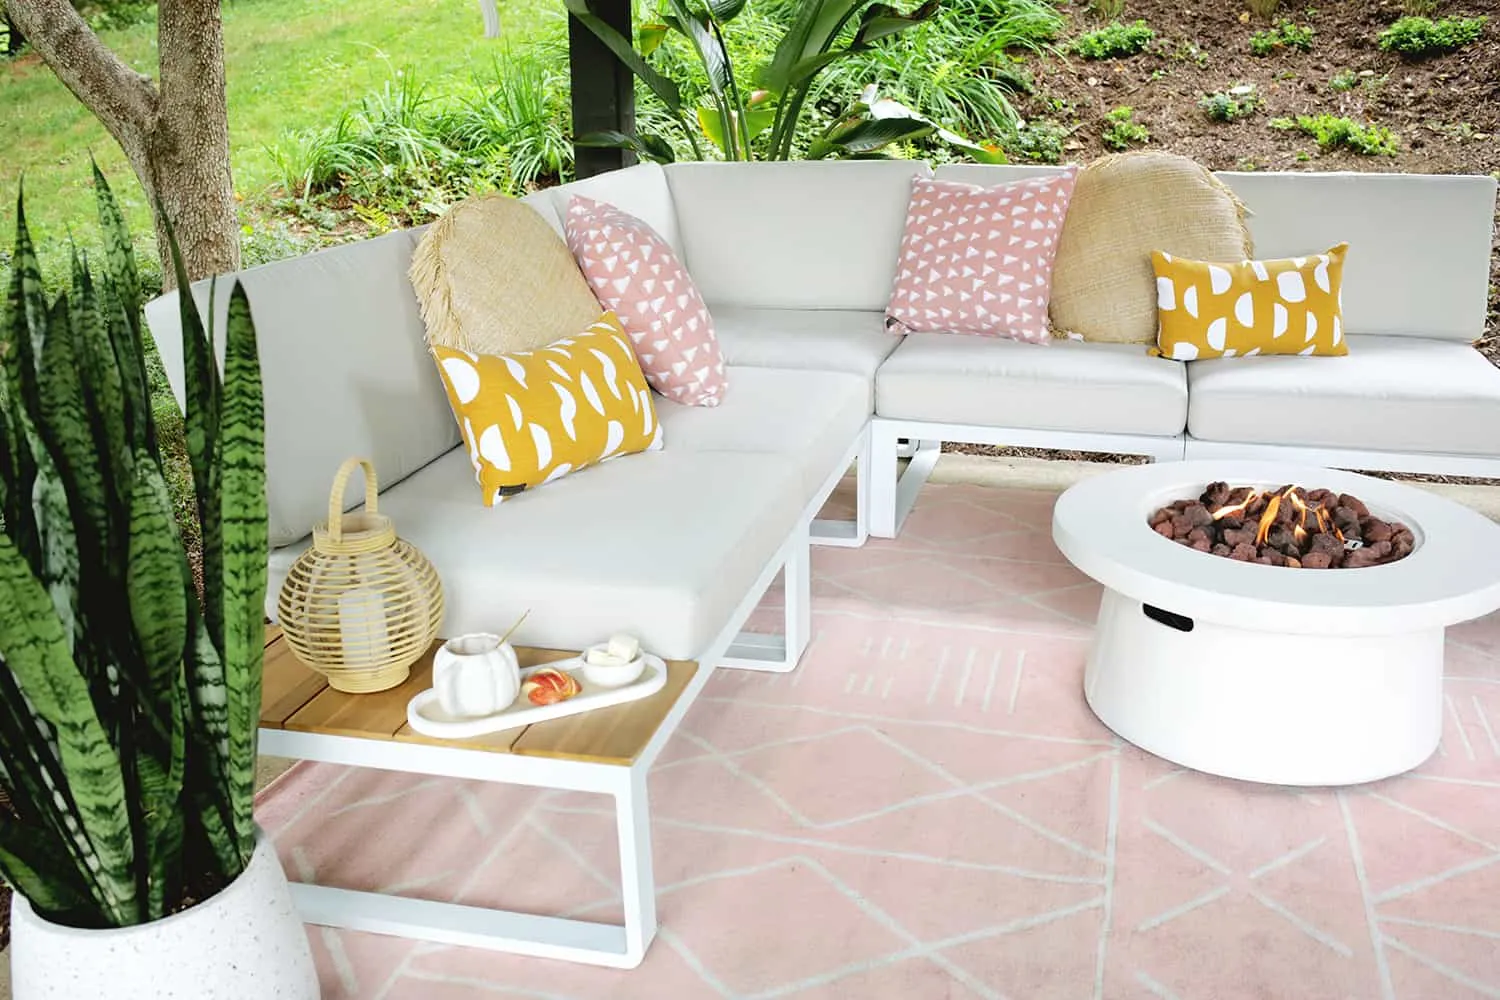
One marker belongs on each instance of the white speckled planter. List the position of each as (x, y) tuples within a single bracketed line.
[(246, 943)]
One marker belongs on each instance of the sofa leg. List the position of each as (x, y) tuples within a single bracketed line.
[(781, 653), (882, 475), (923, 460), (850, 534)]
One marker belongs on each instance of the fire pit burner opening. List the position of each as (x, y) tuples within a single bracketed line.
[(1289, 526)]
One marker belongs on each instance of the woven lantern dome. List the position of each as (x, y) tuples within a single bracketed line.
[(361, 605)]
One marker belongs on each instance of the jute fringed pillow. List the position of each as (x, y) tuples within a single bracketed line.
[(493, 278), (1125, 206)]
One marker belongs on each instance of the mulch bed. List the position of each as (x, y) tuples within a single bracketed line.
[(1445, 111)]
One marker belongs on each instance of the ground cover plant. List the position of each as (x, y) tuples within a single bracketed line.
[(1121, 130), (1230, 105), (1337, 132), (1423, 38), (1286, 34), (1115, 40)]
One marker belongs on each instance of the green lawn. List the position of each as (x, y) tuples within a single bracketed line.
[(291, 64)]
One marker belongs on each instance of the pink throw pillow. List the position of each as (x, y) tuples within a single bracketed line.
[(979, 260), (634, 273)]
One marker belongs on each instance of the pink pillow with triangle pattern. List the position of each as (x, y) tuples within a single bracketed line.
[(634, 273), (979, 259)]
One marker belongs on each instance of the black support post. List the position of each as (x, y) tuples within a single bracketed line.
[(603, 89)]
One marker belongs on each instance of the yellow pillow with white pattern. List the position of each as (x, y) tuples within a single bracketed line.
[(1212, 310), (534, 416)]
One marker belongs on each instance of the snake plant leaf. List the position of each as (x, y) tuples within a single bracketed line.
[(156, 581), (62, 417), (204, 395), (119, 253), (109, 403), (25, 309), (242, 457), (33, 774), (57, 563), (159, 588), (31, 863), (208, 720), (36, 651), (130, 362), (27, 302), (618, 44)]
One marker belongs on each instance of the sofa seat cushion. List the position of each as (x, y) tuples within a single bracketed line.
[(809, 417), (836, 340), (665, 546), (1387, 394), (1067, 385)]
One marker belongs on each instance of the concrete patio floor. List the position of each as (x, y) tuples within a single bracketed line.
[(982, 470)]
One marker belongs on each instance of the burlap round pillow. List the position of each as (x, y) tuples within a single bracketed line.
[(493, 278), (1124, 206)]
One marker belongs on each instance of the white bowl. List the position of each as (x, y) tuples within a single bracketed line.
[(611, 676)]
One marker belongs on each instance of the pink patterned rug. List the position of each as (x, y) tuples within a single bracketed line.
[(927, 809)]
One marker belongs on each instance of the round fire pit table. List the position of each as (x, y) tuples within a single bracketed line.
[(1275, 674)]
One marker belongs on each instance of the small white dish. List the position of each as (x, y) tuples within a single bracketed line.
[(611, 675)]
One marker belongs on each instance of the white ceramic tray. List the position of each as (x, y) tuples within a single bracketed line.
[(425, 715)]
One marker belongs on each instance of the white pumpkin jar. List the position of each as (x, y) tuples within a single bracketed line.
[(244, 943)]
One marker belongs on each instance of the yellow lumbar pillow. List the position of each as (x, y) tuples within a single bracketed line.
[(534, 416), (1290, 306)]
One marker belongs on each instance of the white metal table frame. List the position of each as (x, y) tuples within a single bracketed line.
[(620, 946)]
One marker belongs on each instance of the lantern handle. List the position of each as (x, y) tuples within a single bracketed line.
[(336, 495)]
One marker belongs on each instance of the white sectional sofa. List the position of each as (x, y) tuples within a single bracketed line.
[(796, 262)]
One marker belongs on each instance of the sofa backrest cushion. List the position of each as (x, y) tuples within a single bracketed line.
[(990, 174), (640, 190), (1419, 245), (344, 368), (795, 235)]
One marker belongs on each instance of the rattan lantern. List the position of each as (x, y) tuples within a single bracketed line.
[(361, 605)]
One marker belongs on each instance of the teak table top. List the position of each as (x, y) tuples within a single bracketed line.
[(296, 698)]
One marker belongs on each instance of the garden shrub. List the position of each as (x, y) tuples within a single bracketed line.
[(1336, 132), (1422, 37), (1286, 34), (1114, 41), (1111, 9), (1121, 130)]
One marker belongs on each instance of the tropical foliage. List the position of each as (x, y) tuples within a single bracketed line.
[(758, 115), (128, 706)]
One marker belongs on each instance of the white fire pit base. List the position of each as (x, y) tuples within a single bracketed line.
[(1266, 706), (1263, 673)]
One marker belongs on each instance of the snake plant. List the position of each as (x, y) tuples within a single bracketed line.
[(128, 703)]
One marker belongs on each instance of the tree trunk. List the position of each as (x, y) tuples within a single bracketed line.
[(176, 137)]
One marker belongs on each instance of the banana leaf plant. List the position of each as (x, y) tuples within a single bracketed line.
[(128, 705), (763, 122)]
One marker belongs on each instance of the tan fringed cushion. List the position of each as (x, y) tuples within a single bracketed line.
[(493, 278), (1125, 206)]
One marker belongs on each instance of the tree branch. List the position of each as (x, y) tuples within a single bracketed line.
[(123, 100)]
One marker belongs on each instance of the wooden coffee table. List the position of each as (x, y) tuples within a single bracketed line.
[(608, 750)]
